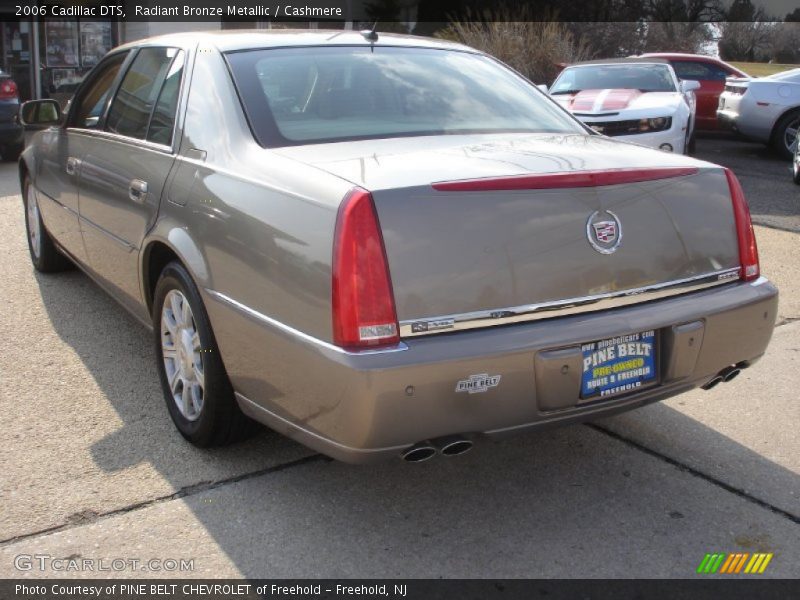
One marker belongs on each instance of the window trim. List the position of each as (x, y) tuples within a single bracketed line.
[(179, 95), (102, 133), (118, 83), (112, 91)]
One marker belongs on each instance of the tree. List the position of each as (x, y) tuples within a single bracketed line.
[(745, 33), (785, 43), (611, 39), (677, 36), (537, 49)]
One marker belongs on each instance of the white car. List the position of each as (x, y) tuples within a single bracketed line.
[(764, 109), (640, 101)]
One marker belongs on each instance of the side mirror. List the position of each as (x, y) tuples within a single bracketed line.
[(543, 87), (689, 85), (37, 114)]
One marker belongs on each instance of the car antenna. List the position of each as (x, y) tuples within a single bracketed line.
[(371, 34)]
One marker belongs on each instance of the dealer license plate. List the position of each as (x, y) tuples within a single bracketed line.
[(619, 365)]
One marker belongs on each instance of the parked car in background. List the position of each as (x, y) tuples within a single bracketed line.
[(711, 73), (764, 109), (636, 100), (12, 139), (388, 246)]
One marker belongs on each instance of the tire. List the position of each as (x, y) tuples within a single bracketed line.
[(11, 153), (796, 170), (44, 255), (780, 142), (200, 398)]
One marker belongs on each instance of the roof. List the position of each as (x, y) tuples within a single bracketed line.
[(246, 39), (694, 58), (621, 61), (679, 55)]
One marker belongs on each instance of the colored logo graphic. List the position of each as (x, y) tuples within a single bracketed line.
[(735, 563)]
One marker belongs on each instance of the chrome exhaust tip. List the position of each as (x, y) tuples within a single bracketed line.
[(453, 445), (713, 383), (730, 374), (419, 452)]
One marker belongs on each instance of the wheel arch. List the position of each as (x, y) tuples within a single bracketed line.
[(773, 131), (175, 244), (25, 168)]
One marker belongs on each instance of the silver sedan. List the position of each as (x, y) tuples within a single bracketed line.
[(387, 247)]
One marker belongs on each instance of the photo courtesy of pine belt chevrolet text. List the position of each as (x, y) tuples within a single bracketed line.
[(387, 246)]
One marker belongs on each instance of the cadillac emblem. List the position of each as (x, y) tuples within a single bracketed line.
[(604, 231)]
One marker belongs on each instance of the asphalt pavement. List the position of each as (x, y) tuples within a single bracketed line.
[(92, 468)]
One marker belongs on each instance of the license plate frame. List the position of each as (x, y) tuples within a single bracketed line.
[(632, 368)]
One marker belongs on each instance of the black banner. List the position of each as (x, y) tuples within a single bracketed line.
[(395, 11), (413, 589)]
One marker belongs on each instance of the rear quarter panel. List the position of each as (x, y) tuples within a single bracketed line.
[(256, 227)]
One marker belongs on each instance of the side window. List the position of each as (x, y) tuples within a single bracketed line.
[(162, 122), (717, 73), (690, 70), (698, 71), (91, 102), (130, 110)]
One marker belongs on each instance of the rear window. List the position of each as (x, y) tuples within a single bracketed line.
[(329, 94)]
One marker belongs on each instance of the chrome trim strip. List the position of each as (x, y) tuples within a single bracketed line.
[(124, 139), (296, 332), (561, 308), (117, 240)]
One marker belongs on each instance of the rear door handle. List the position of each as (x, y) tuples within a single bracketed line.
[(137, 190), (72, 165)]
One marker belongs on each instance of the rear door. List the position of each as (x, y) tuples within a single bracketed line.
[(126, 165)]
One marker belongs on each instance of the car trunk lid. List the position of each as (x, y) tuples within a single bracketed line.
[(509, 227)]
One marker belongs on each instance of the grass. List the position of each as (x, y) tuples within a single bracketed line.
[(762, 69)]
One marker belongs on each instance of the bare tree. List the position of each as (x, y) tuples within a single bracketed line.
[(746, 33), (612, 39), (677, 36), (537, 49), (785, 43)]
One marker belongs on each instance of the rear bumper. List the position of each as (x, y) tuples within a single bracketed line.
[(747, 122), (365, 407), (11, 134)]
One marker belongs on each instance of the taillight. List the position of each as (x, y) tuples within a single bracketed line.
[(748, 250), (8, 89), (363, 301)]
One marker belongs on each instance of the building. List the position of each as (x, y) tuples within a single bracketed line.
[(48, 57)]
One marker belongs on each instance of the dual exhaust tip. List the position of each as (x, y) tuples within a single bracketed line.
[(451, 445), (727, 374)]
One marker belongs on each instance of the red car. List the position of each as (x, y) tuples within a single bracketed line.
[(711, 73)]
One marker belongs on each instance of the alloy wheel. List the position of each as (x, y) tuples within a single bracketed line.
[(790, 134), (34, 222), (181, 352)]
